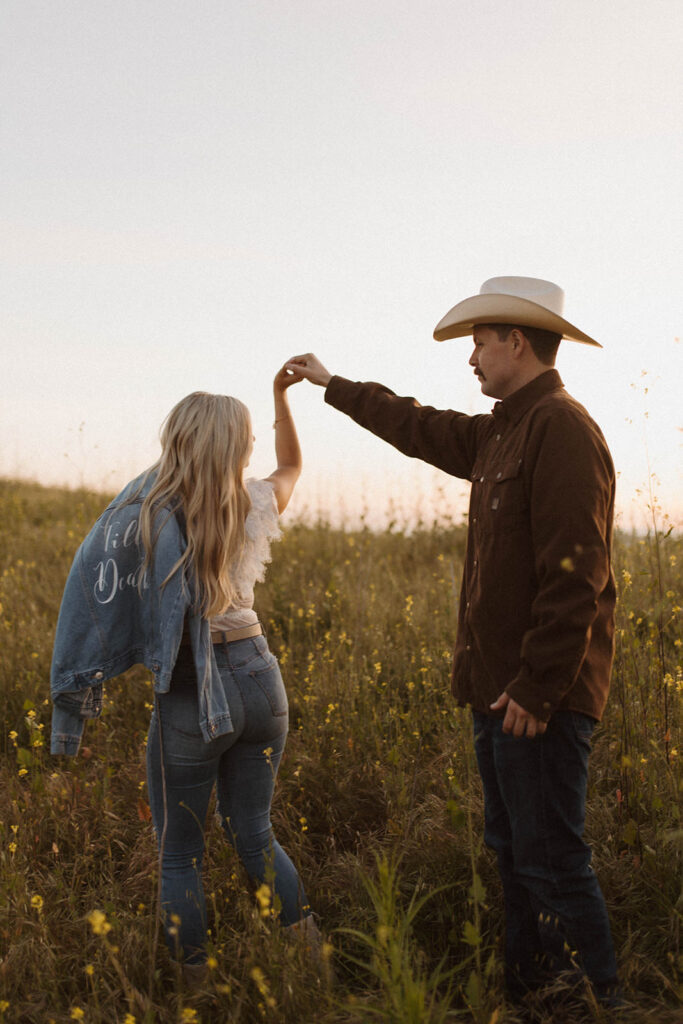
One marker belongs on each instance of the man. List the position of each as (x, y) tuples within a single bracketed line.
[(536, 620)]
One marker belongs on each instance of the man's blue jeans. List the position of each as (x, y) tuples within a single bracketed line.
[(535, 805), (242, 765)]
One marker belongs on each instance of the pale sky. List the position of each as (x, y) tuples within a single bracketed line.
[(194, 191)]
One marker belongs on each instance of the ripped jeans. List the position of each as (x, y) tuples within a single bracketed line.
[(242, 765)]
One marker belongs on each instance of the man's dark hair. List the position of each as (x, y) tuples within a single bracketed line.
[(544, 344)]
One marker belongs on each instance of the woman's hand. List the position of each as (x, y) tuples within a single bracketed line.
[(284, 378)]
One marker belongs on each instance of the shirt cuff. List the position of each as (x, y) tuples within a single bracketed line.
[(530, 696)]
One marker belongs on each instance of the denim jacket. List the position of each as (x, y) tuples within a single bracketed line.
[(109, 620)]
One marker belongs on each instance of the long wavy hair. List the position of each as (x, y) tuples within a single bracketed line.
[(206, 441)]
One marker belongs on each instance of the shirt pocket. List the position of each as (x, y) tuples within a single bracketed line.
[(506, 501)]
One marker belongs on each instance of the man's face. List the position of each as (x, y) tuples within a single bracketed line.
[(493, 364)]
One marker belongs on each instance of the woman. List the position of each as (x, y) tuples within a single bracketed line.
[(172, 566)]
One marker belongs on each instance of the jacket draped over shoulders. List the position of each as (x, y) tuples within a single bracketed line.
[(113, 616)]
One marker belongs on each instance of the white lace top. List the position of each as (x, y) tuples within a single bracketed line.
[(262, 527)]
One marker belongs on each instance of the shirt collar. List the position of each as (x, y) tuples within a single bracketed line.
[(515, 405)]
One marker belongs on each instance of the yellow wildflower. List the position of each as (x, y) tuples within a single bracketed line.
[(259, 978), (264, 899), (98, 923)]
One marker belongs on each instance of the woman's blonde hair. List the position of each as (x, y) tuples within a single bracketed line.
[(205, 445)]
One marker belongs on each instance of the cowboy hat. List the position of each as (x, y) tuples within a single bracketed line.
[(521, 301)]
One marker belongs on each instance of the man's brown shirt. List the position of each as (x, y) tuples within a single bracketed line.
[(536, 614)]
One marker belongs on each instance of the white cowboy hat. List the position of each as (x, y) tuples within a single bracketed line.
[(523, 301)]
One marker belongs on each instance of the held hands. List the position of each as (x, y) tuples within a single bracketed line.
[(518, 721), (309, 367), (284, 378)]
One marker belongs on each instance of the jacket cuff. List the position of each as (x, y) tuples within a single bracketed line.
[(67, 730), (532, 696), (334, 391)]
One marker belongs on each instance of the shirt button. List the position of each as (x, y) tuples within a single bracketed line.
[(467, 647), (481, 479), (546, 705), (497, 437), (498, 476), (99, 675)]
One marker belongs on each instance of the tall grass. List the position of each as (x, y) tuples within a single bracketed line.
[(378, 800)]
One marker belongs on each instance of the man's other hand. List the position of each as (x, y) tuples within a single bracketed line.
[(518, 721)]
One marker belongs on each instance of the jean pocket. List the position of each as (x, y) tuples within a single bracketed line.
[(584, 726), (269, 681), (180, 714)]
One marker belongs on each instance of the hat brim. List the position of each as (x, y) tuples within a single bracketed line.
[(460, 321)]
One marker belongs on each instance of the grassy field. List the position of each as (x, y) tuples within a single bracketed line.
[(378, 799)]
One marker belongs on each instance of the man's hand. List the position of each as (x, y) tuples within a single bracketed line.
[(518, 721), (310, 368)]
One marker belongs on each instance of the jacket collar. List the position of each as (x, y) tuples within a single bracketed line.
[(512, 408)]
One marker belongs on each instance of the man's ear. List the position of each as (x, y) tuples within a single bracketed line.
[(518, 341)]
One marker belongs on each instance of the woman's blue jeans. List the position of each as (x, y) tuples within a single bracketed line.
[(535, 807), (242, 765)]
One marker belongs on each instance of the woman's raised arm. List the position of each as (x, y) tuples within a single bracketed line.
[(287, 450)]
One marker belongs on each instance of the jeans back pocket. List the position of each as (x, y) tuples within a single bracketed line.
[(270, 685)]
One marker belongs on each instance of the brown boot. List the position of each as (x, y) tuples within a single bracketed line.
[(306, 932), (194, 976)]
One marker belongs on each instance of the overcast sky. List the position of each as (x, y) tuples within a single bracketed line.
[(194, 191)]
